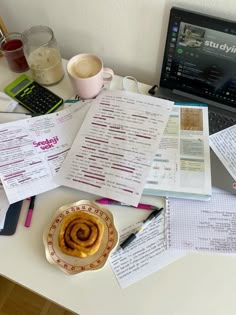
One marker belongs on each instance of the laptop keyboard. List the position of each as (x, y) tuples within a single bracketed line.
[(219, 122)]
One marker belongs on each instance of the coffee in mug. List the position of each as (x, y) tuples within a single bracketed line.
[(86, 67), (86, 73)]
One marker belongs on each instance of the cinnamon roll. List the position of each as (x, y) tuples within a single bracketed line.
[(80, 234)]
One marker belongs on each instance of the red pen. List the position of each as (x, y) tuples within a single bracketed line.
[(107, 201), (30, 212)]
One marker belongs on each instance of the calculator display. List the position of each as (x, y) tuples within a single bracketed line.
[(19, 86)]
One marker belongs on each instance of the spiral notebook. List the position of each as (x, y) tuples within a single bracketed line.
[(202, 225)]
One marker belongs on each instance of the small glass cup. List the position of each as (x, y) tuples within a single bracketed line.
[(12, 47), (43, 55)]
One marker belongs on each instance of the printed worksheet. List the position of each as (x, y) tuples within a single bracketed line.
[(224, 145), (145, 255), (202, 225), (32, 150), (181, 166), (113, 151)]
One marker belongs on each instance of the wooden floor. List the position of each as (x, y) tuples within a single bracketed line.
[(15, 300)]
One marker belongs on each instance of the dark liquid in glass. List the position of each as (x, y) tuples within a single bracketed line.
[(13, 51)]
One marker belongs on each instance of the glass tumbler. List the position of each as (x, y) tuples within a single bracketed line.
[(12, 47), (43, 55)]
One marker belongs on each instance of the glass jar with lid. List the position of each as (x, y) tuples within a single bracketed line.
[(43, 55)]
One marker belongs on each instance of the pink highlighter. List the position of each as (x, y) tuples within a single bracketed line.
[(30, 212), (107, 201)]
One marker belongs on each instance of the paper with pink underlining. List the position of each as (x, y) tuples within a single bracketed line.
[(32, 150), (114, 149)]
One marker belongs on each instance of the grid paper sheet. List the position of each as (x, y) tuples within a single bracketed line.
[(202, 225)]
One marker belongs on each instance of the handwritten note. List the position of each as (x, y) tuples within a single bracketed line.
[(145, 255), (202, 225), (32, 151), (224, 145), (114, 149)]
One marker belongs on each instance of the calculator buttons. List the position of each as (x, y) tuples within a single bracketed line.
[(38, 99)]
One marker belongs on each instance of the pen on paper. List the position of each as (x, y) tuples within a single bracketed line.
[(107, 201), (30, 212), (133, 235)]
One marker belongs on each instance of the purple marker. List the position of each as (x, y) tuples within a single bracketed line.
[(107, 201), (30, 212)]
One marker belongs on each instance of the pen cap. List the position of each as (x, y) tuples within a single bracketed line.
[(128, 241), (29, 217), (154, 214)]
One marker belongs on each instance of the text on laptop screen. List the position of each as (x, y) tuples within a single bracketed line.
[(200, 56)]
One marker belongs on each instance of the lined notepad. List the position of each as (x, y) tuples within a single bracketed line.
[(202, 225)]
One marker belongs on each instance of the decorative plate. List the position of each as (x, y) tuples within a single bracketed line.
[(73, 265)]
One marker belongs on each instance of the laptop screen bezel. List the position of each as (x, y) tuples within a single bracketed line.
[(198, 19)]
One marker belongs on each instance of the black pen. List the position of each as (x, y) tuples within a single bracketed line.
[(30, 212), (132, 236)]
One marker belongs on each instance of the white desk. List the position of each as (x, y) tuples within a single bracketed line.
[(196, 284)]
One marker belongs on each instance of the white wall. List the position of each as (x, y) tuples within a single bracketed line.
[(128, 35)]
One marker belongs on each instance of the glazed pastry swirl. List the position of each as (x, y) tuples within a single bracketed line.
[(80, 234)]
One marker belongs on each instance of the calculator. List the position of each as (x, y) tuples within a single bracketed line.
[(33, 96)]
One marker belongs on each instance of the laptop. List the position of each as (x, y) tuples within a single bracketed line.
[(199, 65)]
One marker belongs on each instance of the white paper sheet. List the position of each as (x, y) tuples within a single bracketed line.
[(113, 151), (7, 104), (203, 225), (7, 117), (144, 256), (32, 150), (223, 143)]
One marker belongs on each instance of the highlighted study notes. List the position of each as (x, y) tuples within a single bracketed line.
[(115, 138), (34, 150), (113, 151)]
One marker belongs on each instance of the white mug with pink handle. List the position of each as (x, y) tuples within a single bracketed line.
[(87, 75)]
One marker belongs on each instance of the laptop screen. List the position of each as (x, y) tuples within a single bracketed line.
[(200, 56)]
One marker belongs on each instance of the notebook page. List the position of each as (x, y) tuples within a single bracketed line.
[(145, 255), (202, 225)]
